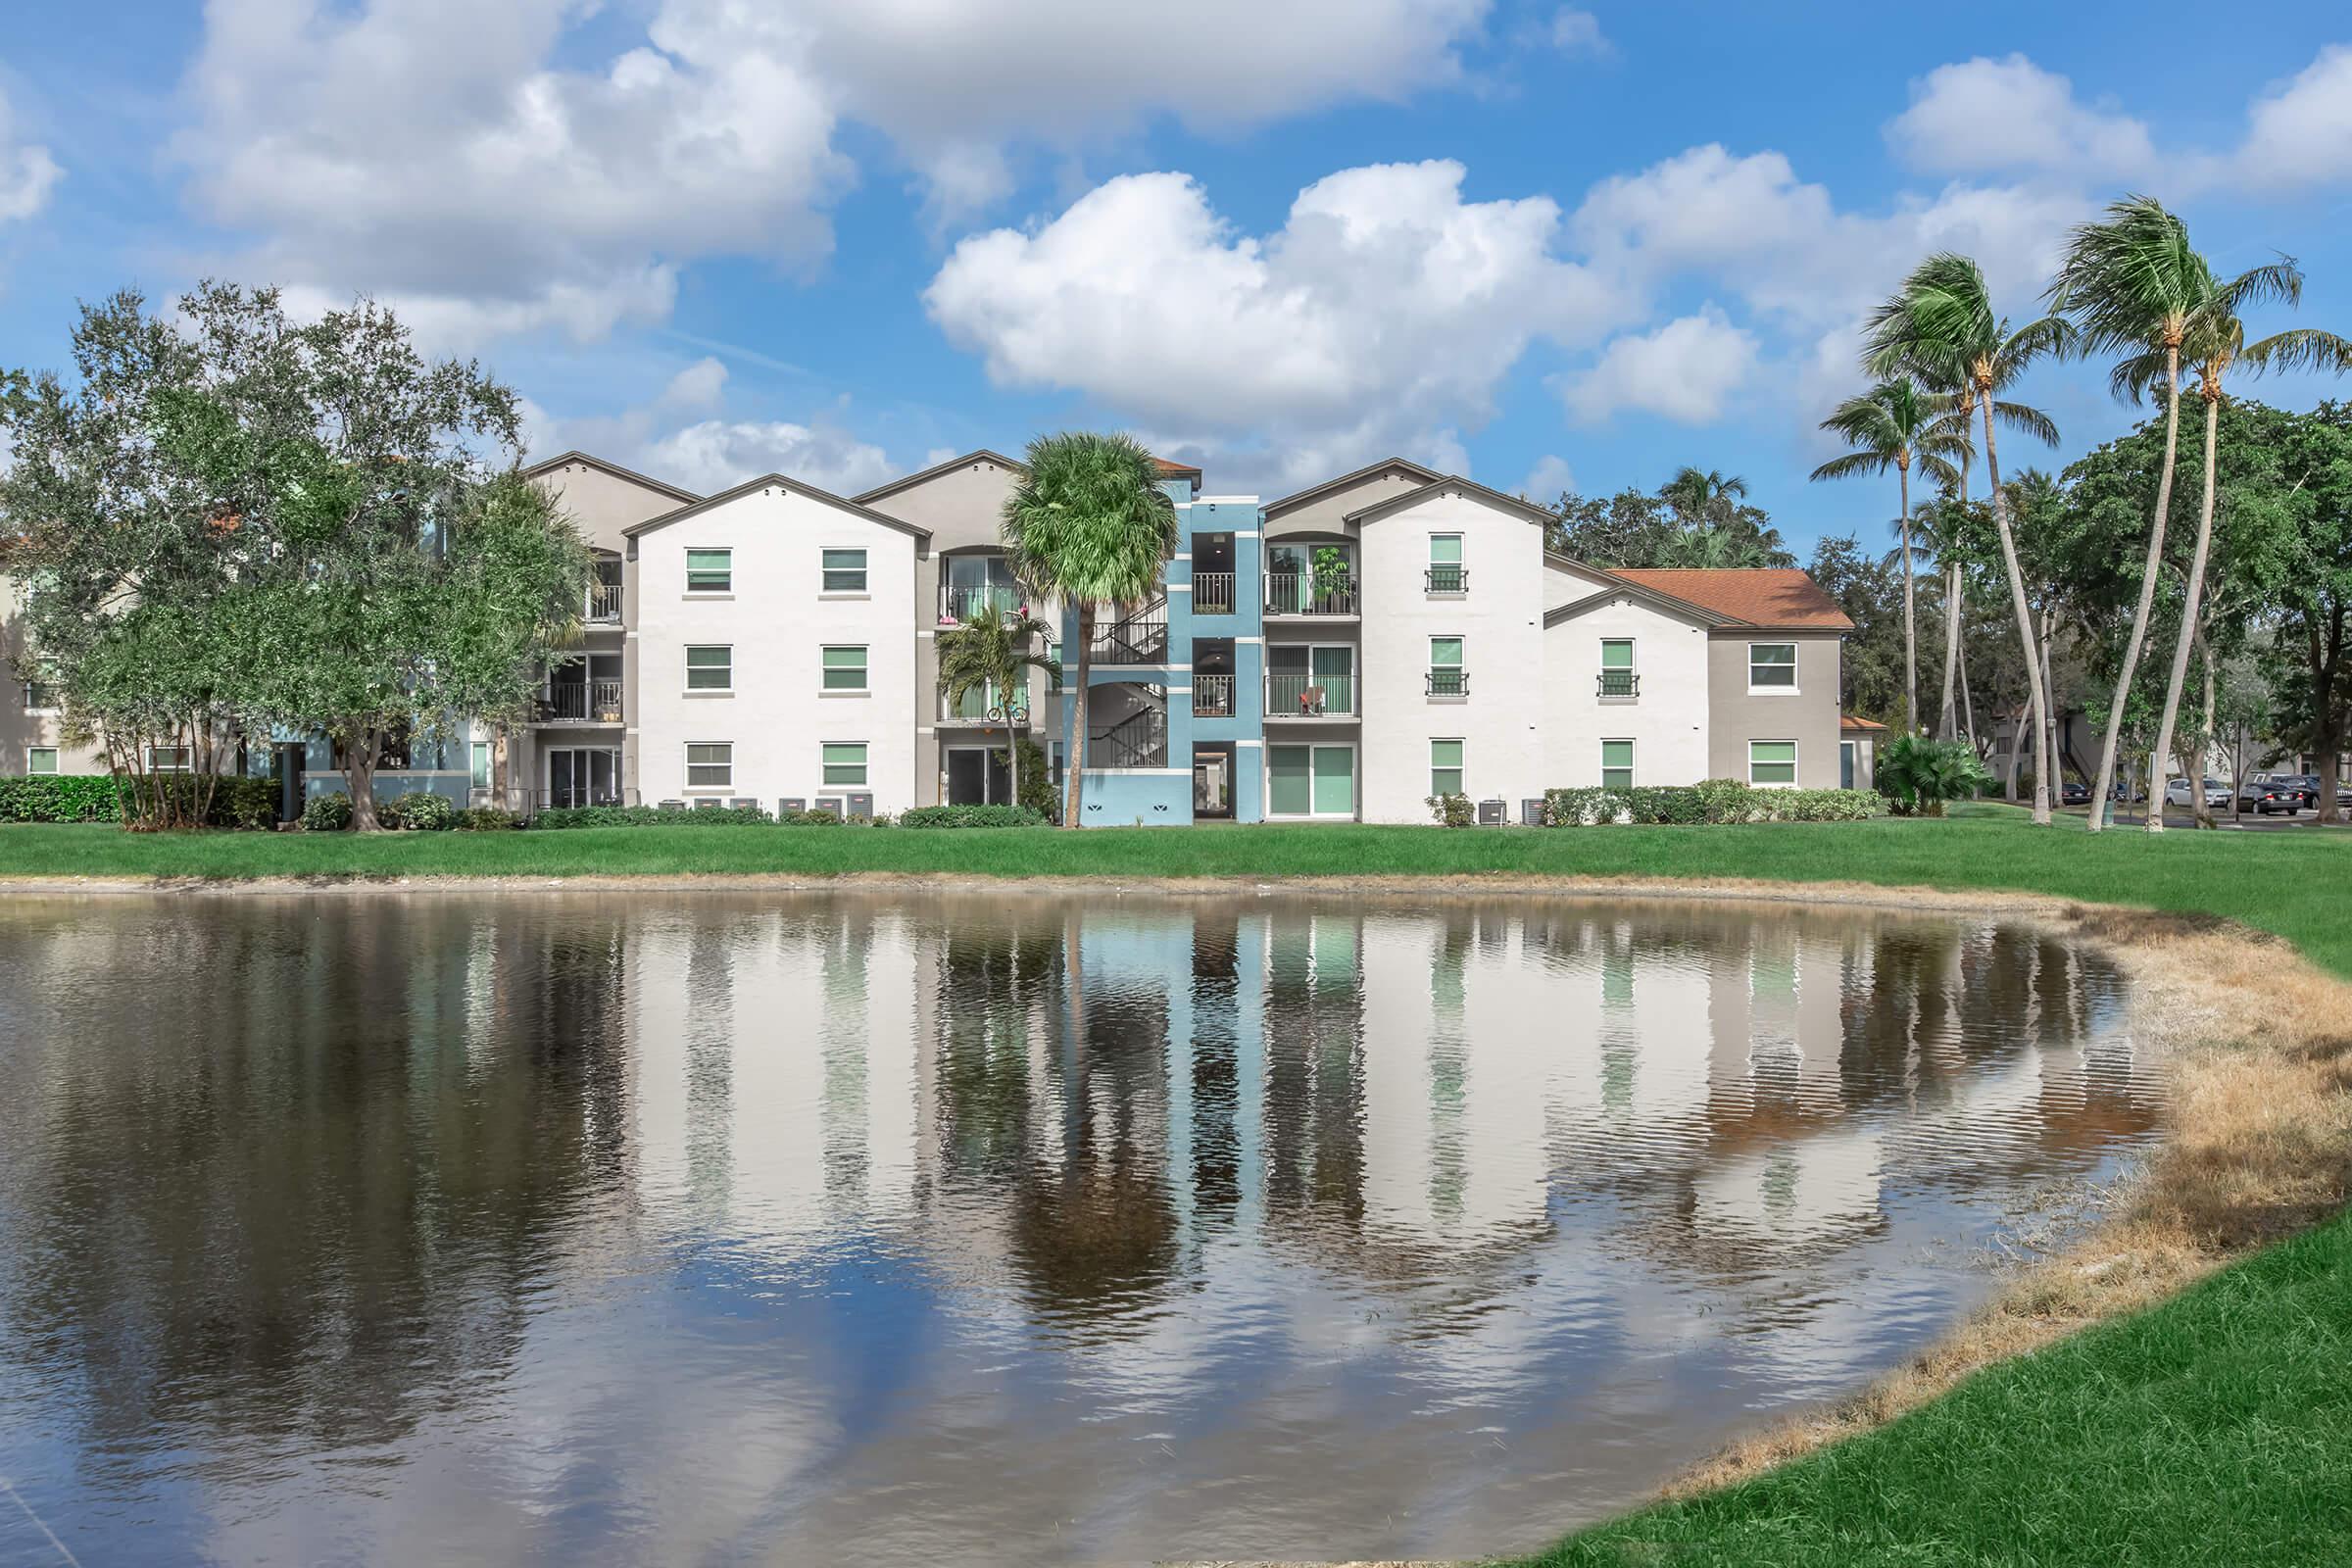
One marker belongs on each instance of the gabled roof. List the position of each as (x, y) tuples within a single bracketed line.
[(1454, 481), (1384, 465), (780, 482), (1775, 597), (1854, 723), (1175, 470), (1619, 588), (613, 468), (976, 455)]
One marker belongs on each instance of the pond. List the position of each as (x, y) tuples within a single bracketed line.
[(985, 1228)]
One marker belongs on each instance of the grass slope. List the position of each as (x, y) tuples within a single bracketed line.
[(2292, 883), (2216, 1429)]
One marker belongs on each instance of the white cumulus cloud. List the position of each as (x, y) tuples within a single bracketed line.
[(711, 455), (1548, 480), (1982, 115), (2300, 132), (27, 173), (1685, 371)]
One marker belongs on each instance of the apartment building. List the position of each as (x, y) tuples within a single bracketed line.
[(1340, 654)]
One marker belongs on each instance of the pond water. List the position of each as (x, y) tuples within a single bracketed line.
[(971, 1229)]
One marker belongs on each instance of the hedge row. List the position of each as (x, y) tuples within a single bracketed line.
[(1715, 799), (237, 801), (971, 817), (565, 816)]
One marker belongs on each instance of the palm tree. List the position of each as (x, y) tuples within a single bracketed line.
[(1957, 418), (1719, 548), (1090, 525), (991, 651), (1700, 497), (2132, 285), (1890, 426), (1942, 326), (2214, 342)]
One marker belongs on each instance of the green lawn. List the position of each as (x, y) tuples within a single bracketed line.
[(2292, 883), (2214, 1430)]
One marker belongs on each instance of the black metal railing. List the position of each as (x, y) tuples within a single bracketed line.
[(984, 705), (1309, 696), (1138, 639), (1212, 696), (1139, 740), (1446, 579), (1303, 593), (1621, 684), (1451, 682), (962, 602), (1212, 593), (595, 702)]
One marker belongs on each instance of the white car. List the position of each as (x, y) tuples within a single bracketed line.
[(2176, 792)]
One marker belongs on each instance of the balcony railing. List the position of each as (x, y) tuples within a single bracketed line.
[(604, 603), (1302, 592), (1446, 579), (1212, 696), (1449, 682), (581, 702), (1212, 593), (984, 705), (959, 604), (1620, 685), (1139, 740), (1310, 696), (1139, 639)]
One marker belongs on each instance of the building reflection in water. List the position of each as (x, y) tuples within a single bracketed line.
[(767, 1215)]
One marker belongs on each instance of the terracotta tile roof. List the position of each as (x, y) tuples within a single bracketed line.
[(1783, 599), (1853, 722), (1176, 471)]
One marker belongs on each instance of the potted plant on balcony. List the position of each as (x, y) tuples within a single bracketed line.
[(1333, 575)]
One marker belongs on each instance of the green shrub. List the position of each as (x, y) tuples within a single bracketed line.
[(1037, 779), (485, 819), (566, 816), (1918, 774), (1715, 799), (971, 817), (1452, 811), (819, 818), (421, 812), (328, 811), (1582, 808), (60, 798)]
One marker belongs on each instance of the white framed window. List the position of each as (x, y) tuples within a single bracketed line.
[(709, 667), (1446, 768), (170, 758), (40, 696), (845, 763), (844, 572), (1446, 575), (710, 764), (710, 571), (845, 666), (1617, 677), (1772, 763), (1448, 675), (1616, 764), (1772, 666), (40, 759)]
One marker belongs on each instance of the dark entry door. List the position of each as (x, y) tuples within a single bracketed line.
[(977, 777)]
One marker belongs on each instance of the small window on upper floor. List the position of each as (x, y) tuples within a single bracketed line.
[(1772, 666), (1617, 677), (845, 571), (1446, 574), (710, 571)]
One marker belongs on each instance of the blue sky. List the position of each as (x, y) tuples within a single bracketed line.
[(1535, 243)]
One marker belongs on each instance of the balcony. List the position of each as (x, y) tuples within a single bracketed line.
[(1212, 696), (1446, 579), (604, 605), (984, 705), (1619, 686), (1212, 593), (1450, 681), (1297, 593), (960, 602), (580, 702), (1310, 697), (1139, 639)]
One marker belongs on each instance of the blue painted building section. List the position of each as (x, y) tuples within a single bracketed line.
[(1208, 679)]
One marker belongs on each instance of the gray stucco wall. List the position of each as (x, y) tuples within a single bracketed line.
[(1736, 715)]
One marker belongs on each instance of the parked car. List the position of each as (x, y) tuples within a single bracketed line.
[(2176, 792), (2281, 791), (2074, 791)]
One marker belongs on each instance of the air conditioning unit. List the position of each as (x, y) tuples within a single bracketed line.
[(705, 806), (1530, 811), (829, 803), (743, 802), (1490, 814), (673, 805), (792, 806), (861, 809)]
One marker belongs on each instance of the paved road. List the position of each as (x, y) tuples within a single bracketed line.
[(2180, 816)]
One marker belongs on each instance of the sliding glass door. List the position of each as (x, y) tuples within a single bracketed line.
[(1310, 781)]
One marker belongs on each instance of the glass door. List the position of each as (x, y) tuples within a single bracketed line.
[(1335, 674), (1335, 781), (1310, 781), (1289, 579), (583, 775)]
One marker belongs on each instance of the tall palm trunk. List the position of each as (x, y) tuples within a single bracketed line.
[(2210, 385), (1951, 624), (1902, 468), (2017, 602), (1968, 701), (2049, 689), (1073, 789), (2204, 745), (2147, 583)]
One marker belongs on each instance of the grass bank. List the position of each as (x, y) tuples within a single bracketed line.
[(2287, 883)]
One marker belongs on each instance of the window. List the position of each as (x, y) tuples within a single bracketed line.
[(710, 571), (844, 668), (1772, 762), (1445, 575), (1616, 764), (1444, 767), (1772, 666), (41, 759), (845, 571), (1617, 667), (482, 765), (40, 696), (168, 760), (710, 766), (845, 762), (1447, 677), (709, 668)]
